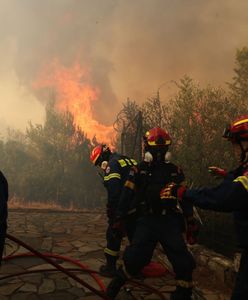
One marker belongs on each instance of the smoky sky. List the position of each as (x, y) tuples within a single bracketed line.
[(132, 47)]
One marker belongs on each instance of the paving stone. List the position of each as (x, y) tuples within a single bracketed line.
[(33, 278), (27, 262), (62, 284), (41, 267), (33, 297), (101, 243), (57, 275), (88, 248), (47, 244), (58, 295), (60, 250), (9, 268), (14, 280), (57, 230), (78, 244), (77, 291), (21, 296), (28, 287), (10, 248), (47, 286), (63, 244), (68, 265), (74, 254), (75, 283), (21, 250), (8, 289)]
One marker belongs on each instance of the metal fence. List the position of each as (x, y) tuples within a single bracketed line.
[(131, 133), (217, 232)]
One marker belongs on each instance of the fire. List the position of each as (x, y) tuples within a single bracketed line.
[(75, 93)]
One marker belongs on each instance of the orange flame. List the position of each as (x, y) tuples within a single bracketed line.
[(75, 93)]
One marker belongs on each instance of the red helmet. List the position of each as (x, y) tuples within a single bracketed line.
[(157, 137), (96, 153), (99, 154), (238, 130)]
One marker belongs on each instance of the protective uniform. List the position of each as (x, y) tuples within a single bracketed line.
[(116, 170), (159, 222), (230, 196), (3, 211)]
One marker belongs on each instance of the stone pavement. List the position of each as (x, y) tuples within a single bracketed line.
[(77, 235)]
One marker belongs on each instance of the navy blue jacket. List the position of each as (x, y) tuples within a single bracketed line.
[(230, 196), (145, 183), (115, 176)]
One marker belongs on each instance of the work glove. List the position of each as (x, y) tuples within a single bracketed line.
[(172, 191), (217, 172), (192, 231)]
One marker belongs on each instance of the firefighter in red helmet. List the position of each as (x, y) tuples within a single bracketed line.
[(116, 168), (159, 221), (230, 196)]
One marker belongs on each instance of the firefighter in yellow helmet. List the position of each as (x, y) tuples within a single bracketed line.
[(116, 168), (160, 221)]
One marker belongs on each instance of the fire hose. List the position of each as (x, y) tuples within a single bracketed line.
[(68, 271), (57, 266), (72, 261)]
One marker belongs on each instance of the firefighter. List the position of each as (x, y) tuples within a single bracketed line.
[(159, 221), (231, 195), (3, 212), (116, 168)]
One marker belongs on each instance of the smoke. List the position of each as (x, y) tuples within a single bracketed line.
[(132, 47)]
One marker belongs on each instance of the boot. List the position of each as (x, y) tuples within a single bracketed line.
[(109, 269), (181, 293), (115, 285)]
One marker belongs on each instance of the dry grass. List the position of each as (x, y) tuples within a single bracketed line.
[(16, 203)]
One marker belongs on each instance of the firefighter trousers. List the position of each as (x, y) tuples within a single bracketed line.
[(114, 236), (167, 230)]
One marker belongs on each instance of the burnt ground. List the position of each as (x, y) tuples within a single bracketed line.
[(79, 236)]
